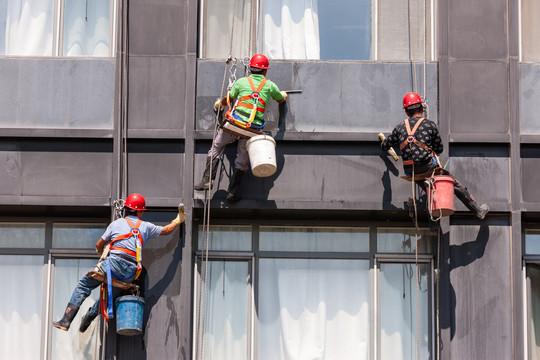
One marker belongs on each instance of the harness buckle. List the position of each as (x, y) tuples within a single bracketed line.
[(135, 232), (410, 138)]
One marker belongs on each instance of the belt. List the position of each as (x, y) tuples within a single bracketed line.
[(125, 257)]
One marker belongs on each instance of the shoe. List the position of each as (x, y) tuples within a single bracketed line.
[(236, 179), (69, 315), (87, 320), (206, 182)]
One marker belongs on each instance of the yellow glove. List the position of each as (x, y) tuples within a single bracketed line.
[(217, 105), (285, 95), (180, 218)]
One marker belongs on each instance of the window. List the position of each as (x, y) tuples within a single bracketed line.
[(36, 277), (530, 48), (37, 28), (532, 273), (313, 292), (318, 29)]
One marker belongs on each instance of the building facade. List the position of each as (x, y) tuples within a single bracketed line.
[(322, 259)]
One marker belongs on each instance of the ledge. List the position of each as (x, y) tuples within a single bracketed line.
[(305, 136), (57, 133), (479, 138)]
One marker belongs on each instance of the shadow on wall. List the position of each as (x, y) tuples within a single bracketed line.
[(460, 255), (134, 347)]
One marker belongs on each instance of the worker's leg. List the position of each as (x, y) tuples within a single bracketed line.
[(222, 139), (241, 165), (468, 200)]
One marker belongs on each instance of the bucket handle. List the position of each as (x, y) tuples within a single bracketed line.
[(430, 183)]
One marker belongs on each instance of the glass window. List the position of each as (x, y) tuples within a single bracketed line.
[(226, 238), (530, 28), (398, 317), (20, 306), (226, 317), (402, 240), (21, 235), (314, 239), (26, 27), (317, 29), (77, 236), (72, 344), (532, 242), (311, 309)]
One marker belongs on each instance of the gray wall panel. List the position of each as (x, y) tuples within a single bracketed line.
[(487, 178), (529, 98), (155, 170), (57, 93), (336, 97), (157, 92), (530, 178), (478, 93), (69, 174), (477, 29), (157, 27), (480, 278), (320, 176)]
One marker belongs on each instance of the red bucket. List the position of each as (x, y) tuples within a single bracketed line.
[(441, 196)]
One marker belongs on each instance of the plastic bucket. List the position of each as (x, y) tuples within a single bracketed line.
[(441, 196), (262, 155), (129, 315)]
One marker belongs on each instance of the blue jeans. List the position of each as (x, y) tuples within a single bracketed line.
[(119, 267)]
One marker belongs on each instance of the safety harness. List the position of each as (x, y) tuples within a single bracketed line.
[(411, 139), (257, 100), (106, 292)]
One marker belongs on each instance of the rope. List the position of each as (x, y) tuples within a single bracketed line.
[(206, 210), (411, 46)]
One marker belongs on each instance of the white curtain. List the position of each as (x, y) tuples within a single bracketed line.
[(87, 28), (226, 315), (72, 344), (218, 24), (20, 306), (26, 27), (534, 320), (291, 29), (398, 336), (313, 309)]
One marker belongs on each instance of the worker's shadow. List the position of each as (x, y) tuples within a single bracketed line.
[(460, 255), (134, 347)]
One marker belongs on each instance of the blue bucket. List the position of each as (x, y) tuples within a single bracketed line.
[(129, 315)]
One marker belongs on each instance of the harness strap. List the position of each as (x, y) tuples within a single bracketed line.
[(110, 313), (138, 254)]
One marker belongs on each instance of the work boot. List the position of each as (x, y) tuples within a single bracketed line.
[(236, 179), (87, 320), (206, 182), (69, 315), (468, 200)]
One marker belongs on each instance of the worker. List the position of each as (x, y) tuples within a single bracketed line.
[(419, 141), (250, 90), (122, 258)]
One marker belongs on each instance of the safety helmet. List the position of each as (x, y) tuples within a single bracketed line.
[(259, 61), (411, 99), (135, 202)]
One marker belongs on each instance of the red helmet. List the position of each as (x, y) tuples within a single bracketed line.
[(411, 99), (259, 61), (135, 202)]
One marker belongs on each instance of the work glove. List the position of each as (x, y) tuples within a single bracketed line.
[(181, 217), (285, 95), (217, 105)]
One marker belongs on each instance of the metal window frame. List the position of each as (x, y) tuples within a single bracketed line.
[(372, 256)]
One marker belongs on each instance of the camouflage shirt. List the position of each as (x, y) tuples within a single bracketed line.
[(427, 133)]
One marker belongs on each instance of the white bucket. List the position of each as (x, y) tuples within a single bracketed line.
[(262, 155)]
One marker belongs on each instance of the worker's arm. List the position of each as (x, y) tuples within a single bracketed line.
[(284, 94), (180, 218), (100, 245)]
